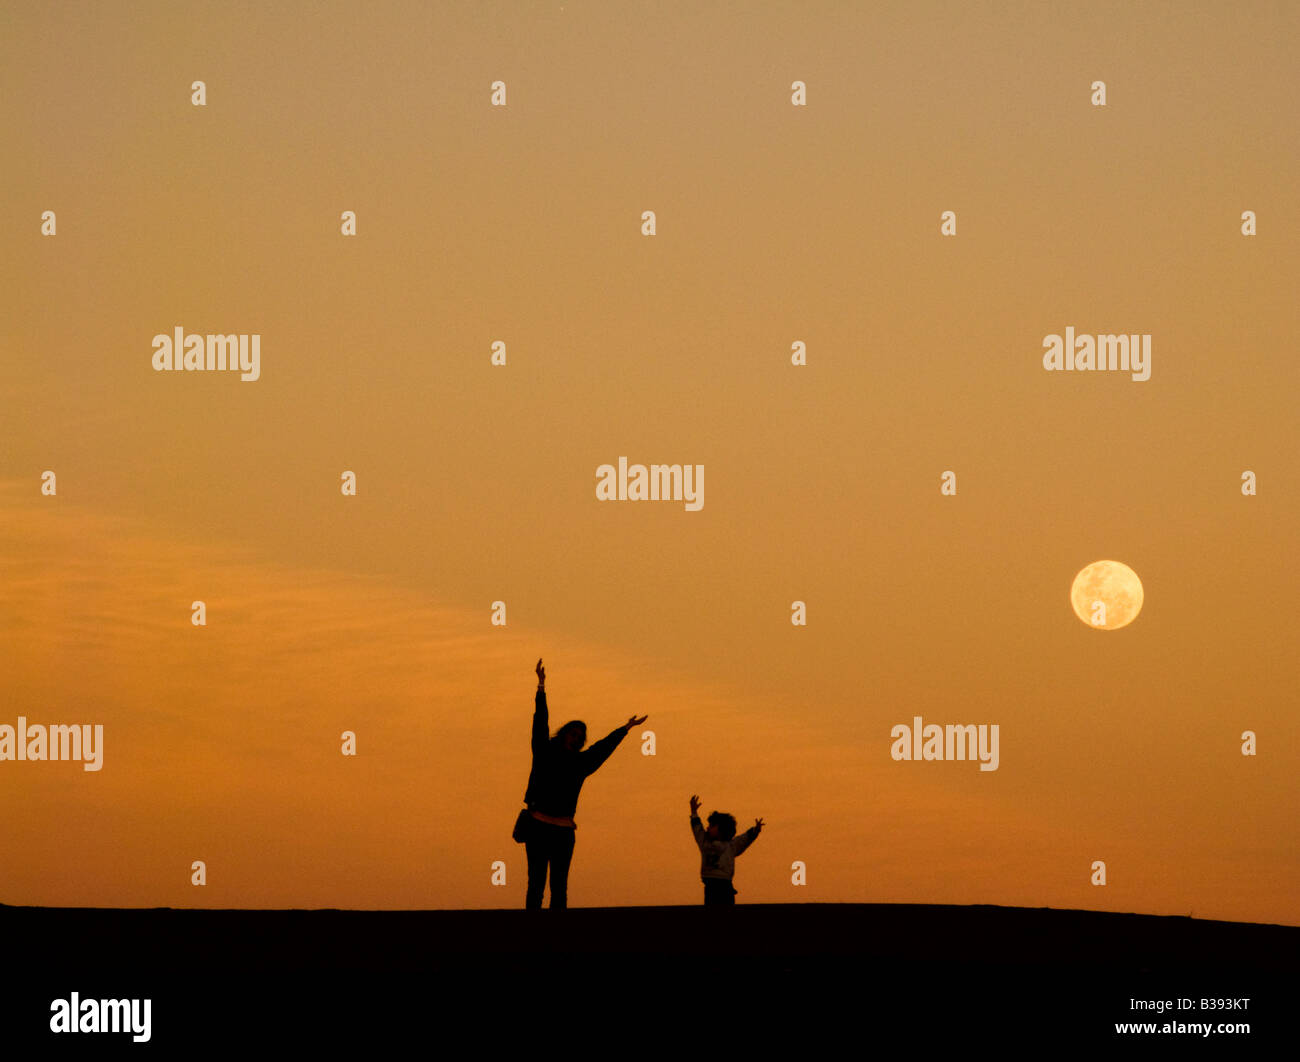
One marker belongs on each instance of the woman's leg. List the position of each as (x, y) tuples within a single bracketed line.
[(561, 857), (538, 851)]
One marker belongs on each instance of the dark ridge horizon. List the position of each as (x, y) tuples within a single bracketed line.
[(651, 907), (749, 942)]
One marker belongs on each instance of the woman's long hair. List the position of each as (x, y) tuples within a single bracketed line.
[(573, 724)]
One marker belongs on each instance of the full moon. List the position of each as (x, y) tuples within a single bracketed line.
[(1107, 595)]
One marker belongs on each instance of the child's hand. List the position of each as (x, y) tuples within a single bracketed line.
[(541, 671), (758, 824), (695, 805)]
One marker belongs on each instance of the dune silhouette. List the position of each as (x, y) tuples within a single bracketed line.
[(934, 935), (825, 964)]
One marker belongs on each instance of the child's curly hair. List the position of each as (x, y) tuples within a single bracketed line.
[(725, 823)]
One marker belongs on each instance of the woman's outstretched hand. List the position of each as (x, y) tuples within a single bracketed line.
[(634, 721), (695, 805)]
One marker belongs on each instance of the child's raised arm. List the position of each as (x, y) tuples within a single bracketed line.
[(747, 838), (697, 828)]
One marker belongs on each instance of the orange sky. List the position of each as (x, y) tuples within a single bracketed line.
[(476, 483)]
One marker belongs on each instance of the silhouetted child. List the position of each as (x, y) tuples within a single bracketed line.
[(719, 847)]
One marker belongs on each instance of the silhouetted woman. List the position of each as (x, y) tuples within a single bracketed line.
[(560, 766)]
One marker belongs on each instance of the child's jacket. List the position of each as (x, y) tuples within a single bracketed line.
[(718, 858)]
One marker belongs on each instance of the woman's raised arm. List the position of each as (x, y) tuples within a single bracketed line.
[(541, 732)]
